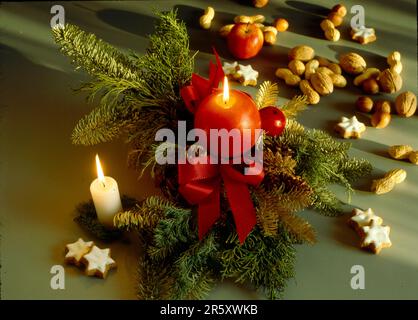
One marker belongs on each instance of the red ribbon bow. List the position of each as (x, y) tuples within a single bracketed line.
[(200, 184)]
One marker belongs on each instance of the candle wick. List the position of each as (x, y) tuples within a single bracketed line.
[(103, 184)]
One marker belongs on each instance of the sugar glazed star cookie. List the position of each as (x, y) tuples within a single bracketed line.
[(230, 68), (76, 251), (363, 35), (350, 128), (376, 237), (245, 75), (360, 219), (98, 262)]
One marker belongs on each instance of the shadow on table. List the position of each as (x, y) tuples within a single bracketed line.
[(304, 17), (245, 3), (135, 23), (401, 5), (372, 147), (143, 25), (364, 184), (342, 233), (204, 40)]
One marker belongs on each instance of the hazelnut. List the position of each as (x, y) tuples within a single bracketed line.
[(370, 86), (413, 157), (380, 119), (389, 81), (260, 3), (340, 9), (383, 106), (336, 18), (406, 104), (281, 24), (364, 104), (269, 38)]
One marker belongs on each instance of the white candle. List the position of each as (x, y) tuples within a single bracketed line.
[(105, 193)]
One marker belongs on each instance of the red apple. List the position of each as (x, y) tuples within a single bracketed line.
[(245, 40)]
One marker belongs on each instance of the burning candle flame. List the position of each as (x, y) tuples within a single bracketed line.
[(226, 90), (100, 174)]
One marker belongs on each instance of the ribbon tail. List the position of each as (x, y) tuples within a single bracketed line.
[(208, 212), (190, 97), (241, 206), (217, 71), (201, 85)]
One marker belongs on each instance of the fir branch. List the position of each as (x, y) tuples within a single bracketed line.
[(298, 228), (266, 262), (296, 199), (102, 124), (168, 65), (172, 233), (128, 84), (276, 163), (142, 138), (326, 202), (293, 136), (354, 169), (267, 94), (276, 207), (321, 160), (92, 54), (155, 280), (294, 106), (268, 219), (144, 216), (194, 271), (112, 90)]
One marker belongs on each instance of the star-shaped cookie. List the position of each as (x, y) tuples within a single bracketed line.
[(363, 35), (350, 128), (98, 262), (247, 75), (362, 218), (230, 68), (376, 237), (75, 251)]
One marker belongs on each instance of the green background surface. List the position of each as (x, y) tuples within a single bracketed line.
[(43, 176)]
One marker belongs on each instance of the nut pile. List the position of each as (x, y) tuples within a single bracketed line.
[(405, 105), (372, 80), (315, 77), (334, 19)]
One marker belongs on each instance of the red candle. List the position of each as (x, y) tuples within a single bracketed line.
[(230, 109)]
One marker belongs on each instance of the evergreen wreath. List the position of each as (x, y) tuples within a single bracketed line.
[(140, 95)]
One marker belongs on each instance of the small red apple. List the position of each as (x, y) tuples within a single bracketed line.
[(245, 40), (273, 121)]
